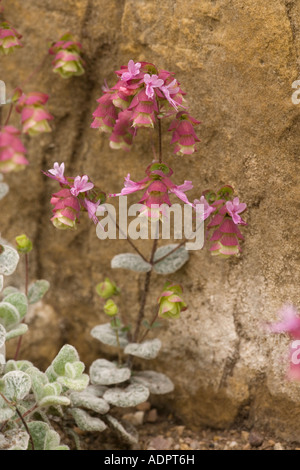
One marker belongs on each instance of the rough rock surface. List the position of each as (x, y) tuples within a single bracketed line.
[(237, 60)]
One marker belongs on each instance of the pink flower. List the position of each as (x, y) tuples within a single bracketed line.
[(207, 208), (158, 186), (171, 88), (66, 210), (289, 322), (67, 61), (57, 173), (184, 135), (105, 115), (151, 82), (81, 185), (34, 116), (234, 208), (143, 110), (9, 38), (133, 70), (91, 208), (12, 151)]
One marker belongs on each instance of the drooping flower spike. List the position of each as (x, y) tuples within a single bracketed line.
[(34, 115), (142, 95), (67, 61), (77, 194), (170, 301), (12, 150), (158, 186), (9, 38)]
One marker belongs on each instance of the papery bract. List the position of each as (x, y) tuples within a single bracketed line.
[(12, 151), (67, 61), (9, 38), (34, 116), (170, 301), (184, 136), (66, 210)]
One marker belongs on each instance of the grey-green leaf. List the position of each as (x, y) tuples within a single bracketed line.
[(9, 259), (89, 401), (18, 300), (107, 335), (86, 422), (132, 395), (103, 372), (4, 188), (19, 330), (171, 263), (146, 350), (37, 290), (1, 282), (156, 382), (17, 385), (67, 354), (9, 315), (127, 432), (130, 261)]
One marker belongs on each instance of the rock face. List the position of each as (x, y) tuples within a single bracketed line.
[(237, 60)]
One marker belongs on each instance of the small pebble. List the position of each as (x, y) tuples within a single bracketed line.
[(233, 444), (278, 446), (136, 419), (144, 406), (152, 416), (255, 439), (180, 430)]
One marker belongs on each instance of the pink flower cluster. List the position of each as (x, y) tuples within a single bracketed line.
[(12, 151), (142, 95), (34, 116), (67, 61), (158, 186), (290, 323), (9, 38), (77, 194), (226, 235)]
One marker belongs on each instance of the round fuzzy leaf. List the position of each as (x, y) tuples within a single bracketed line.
[(4, 188), (1, 282), (37, 290), (78, 385), (130, 261), (127, 432), (18, 365), (17, 439), (89, 401), (171, 263), (96, 390), (107, 335), (5, 412), (9, 259), (147, 350), (103, 372), (132, 395), (38, 431), (74, 370), (9, 290), (18, 300), (51, 400), (2, 336), (9, 315), (157, 383), (67, 354), (17, 385), (18, 331), (85, 422)]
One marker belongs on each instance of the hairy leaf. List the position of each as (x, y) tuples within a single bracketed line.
[(19, 330), (130, 261), (9, 259), (18, 300), (86, 422), (156, 382), (37, 290), (17, 385), (147, 350), (127, 432), (107, 335), (9, 315), (103, 372), (132, 395), (89, 401), (171, 263)]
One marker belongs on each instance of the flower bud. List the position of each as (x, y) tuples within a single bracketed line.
[(34, 116), (67, 61), (24, 244), (106, 289), (170, 302), (12, 151), (110, 308), (66, 210)]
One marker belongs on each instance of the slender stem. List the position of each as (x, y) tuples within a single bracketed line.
[(11, 107), (35, 71), (145, 292), (151, 324), (126, 238), (26, 292), (25, 426), (159, 142)]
